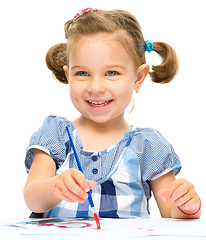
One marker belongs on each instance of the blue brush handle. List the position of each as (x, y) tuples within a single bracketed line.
[(79, 166), (90, 199)]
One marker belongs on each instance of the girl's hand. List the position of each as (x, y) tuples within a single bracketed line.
[(71, 186), (183, 194)]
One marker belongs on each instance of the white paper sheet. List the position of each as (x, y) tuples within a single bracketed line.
[(114, 229)]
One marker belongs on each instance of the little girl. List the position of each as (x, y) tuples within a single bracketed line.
[(104, 61)]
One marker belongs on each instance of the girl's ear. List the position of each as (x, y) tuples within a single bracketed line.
[(66, 70), (142, 72)]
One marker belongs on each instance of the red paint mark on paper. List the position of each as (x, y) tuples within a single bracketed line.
[(146, 229), (71, 224)]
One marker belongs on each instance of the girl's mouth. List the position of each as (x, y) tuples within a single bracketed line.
[(100, 103)]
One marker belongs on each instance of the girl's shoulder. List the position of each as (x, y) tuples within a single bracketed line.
[(49, 138), (148, 134), (150, 144), (56, 124), (55, 120)]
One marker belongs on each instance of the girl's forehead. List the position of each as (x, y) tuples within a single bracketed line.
[(97, 43), (97, 37), (115, 39), (119, 40), (99, 51)]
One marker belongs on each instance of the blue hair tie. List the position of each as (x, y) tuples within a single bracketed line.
[(149, 46)]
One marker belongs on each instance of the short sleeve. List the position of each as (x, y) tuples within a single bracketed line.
[(50, 139), (157, 157)]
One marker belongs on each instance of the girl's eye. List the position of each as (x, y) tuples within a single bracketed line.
[(112, 73), (82, 73)]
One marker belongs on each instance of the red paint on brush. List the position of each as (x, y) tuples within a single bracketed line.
[(97, 221)]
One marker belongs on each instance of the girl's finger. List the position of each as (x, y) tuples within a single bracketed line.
[(182, 200), (192, 203), (161, 192), (66, 194), (74, 191), (92, 184), (60, 195), (172, 188), (79, 178), (180, 193)]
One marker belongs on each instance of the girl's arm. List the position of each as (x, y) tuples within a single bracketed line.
[(43, 190), (171, 193)]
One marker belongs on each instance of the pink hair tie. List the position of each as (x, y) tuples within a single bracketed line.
[(192, 213), (83, 12)]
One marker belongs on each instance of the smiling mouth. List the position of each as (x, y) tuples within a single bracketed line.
[(99, 104)]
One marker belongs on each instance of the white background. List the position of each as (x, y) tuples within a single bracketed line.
[(29, 93)]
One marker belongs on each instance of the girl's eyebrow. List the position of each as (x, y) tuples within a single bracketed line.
[(77, 66), (116, 66), (107, 66)]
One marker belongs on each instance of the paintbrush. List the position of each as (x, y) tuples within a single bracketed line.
[(80, 169)]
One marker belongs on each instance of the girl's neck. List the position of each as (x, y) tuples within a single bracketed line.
[(97, 137), (117, 124)]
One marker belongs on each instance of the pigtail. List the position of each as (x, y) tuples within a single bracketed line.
[(56, 58), (167, 70)]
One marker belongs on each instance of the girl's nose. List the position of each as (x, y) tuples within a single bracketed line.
[(96, 85)]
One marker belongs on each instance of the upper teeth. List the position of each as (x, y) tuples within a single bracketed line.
[(99, 103)]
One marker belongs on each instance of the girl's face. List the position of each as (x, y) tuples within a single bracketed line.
[(102, 78)]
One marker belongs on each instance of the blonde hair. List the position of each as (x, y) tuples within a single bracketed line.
[(127, 30)]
